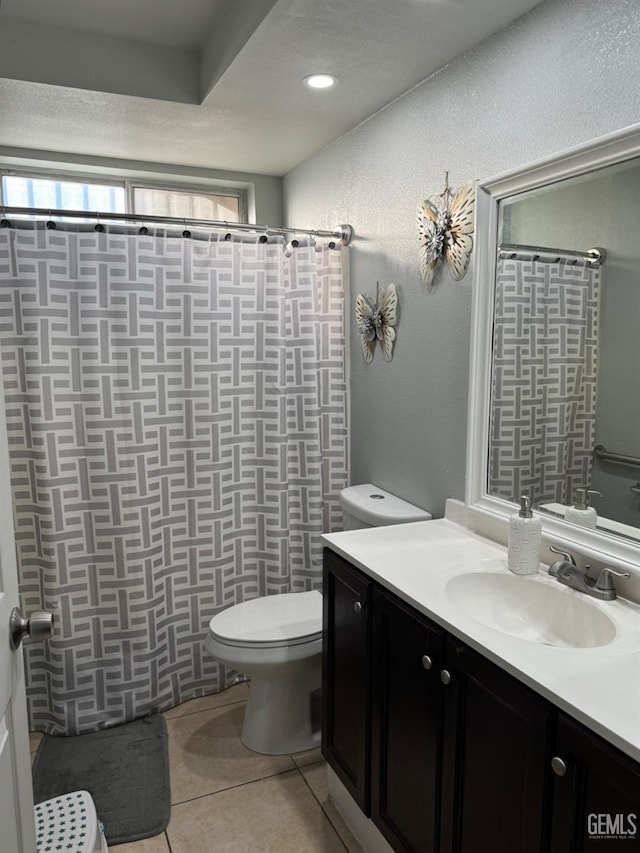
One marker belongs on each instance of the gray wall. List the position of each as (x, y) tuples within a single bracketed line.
[(565, 73)]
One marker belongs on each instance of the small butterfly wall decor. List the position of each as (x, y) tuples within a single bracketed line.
[(376, 319), (445, 226)]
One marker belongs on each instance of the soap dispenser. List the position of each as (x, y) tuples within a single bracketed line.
[(525, 538), (581, 512)]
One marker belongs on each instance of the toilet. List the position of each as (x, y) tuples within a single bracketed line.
[(276, 640), (368, 506)]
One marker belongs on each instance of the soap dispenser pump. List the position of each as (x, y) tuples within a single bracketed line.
[(525, 538), (581, 513)]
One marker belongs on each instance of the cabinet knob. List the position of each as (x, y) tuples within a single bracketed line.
[(358, 607), (445, 676), (558, 766), (427, 663)]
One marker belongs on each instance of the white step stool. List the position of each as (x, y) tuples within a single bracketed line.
[(69, 824)]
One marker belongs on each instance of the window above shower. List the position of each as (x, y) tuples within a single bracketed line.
[(56, 191)]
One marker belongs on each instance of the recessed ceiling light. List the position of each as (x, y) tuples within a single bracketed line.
[(320, 81)]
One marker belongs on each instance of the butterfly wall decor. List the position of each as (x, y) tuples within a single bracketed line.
[(376, 319), (445, 226)]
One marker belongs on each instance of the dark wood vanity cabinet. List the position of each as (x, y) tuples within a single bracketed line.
[(495, 743), (406, 725), (346, 651), (448, 753), (596, 793)]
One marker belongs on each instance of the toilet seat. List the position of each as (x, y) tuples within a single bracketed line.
[(270, 622)]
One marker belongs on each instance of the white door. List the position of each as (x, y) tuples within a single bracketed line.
[(17, 827)]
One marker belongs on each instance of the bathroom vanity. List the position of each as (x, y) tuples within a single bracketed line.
[(466, 709), (459, 719)]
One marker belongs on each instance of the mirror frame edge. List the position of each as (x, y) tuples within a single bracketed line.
[(595, 154)]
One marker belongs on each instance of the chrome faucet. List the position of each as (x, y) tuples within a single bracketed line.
[(567, 572)]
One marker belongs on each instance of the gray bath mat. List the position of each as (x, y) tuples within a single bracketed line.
[(125, 769)]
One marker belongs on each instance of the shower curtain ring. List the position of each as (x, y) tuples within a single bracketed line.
[(186, 233), (290, 246), (98, 226)]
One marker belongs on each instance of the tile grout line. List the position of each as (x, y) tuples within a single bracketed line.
[(232, 787), (207, 696), (293, 766), (178, 717), (201, 711), (322, 808)]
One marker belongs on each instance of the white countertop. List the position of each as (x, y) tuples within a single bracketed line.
[(600, 686)]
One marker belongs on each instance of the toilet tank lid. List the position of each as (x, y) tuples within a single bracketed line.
[(289, 616), (377, 507)]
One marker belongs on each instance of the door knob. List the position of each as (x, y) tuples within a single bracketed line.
[(358, 607), (427, 663), (445, 676), (39, 626)]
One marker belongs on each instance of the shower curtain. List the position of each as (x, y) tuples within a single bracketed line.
[(177, 426), (544, 378)]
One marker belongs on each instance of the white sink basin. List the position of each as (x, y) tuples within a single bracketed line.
[(534, 610)]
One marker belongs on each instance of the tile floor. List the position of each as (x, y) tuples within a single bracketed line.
[(228, 799)]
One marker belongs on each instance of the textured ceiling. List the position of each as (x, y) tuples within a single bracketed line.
[(218, 83), (184, 24)]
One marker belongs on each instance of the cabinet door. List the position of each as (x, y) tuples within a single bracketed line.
[(406, 725), (496, 734), (596, 802), (346, 727)]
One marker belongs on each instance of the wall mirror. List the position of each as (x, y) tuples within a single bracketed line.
[(555, 380)]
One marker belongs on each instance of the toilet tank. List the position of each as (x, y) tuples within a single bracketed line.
[(368, 506)]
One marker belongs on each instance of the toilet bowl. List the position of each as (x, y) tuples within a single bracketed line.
[(276, 640)]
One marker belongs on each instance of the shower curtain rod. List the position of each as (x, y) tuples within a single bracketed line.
[(596, 256), (343, 233)]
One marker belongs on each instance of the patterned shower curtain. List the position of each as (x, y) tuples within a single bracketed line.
[(177, 423), (543, 404)]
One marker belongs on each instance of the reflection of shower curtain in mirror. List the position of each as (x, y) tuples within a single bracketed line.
[(544, 378)]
